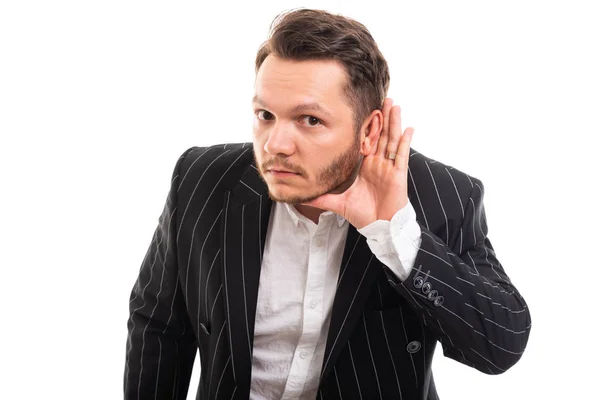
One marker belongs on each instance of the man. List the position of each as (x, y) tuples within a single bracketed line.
[(328, 258)]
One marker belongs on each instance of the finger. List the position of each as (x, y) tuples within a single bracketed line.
[(395, 131), (401, 162), (383, 136)]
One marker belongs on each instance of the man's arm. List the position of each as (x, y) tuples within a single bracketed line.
[(161, 345), (465, 297), (458, 287)]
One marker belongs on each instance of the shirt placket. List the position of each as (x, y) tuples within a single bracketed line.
[(312, 320)]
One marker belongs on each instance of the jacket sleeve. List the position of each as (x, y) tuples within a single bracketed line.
[(161, 345), (465, 297)]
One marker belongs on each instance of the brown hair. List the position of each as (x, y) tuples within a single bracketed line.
[(306, 34)]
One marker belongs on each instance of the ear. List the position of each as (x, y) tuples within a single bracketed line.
[(370, 132)]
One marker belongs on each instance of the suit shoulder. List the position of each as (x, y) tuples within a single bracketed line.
[(425, 170), (218, 155), (217, 164)]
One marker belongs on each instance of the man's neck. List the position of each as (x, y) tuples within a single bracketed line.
[(309, 212)]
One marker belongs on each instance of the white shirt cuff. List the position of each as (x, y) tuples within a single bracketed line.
[(395, 243)]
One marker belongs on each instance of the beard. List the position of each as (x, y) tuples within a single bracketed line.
[(335, 177)]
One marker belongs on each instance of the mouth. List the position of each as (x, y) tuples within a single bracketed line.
[(281, 172)]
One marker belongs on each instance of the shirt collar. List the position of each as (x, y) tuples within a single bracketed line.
[(296, 216)]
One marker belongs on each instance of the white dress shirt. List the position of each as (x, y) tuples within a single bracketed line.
[(298, 279)]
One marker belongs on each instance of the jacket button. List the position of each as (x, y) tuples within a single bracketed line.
[(438, 301), (432, 295), (418, 282), (413, 347), (426, 288)]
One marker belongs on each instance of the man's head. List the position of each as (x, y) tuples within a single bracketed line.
[(320, 84)]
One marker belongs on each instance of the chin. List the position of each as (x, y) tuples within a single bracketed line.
[(292, 196), (285, 196)]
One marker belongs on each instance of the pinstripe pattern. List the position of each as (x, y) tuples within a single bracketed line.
[(198, 284), (354, 370)]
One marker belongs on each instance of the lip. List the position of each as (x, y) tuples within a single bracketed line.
[(281, 173)]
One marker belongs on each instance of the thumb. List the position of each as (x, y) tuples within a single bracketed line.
[(329, 202)]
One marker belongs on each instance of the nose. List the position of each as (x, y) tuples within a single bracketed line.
[(279, 140)]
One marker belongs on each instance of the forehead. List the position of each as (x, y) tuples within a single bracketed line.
[(280, 81)]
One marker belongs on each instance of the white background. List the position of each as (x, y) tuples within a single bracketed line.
[(99, 99)]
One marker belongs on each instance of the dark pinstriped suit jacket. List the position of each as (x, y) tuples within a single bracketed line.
[(198, 285)]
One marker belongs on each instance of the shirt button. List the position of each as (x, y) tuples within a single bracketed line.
[(313, 304), (320, 243), (303, 354)]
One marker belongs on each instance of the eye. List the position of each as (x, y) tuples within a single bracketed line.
[(312, 121), (267, 116)]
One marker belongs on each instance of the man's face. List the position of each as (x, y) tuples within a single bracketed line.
[(302, 125)]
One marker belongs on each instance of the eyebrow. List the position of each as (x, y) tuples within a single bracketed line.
[(298, 108)]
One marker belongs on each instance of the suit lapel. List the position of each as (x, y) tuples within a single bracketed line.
[(246, 216), (358, 271)]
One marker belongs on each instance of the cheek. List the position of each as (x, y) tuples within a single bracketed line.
[(315, 164), (258, 153), (258, 136)]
